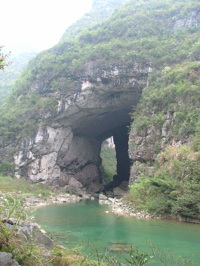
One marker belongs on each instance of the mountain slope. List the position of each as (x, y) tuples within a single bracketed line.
[(10, 74), (101, 10), (124, 39)]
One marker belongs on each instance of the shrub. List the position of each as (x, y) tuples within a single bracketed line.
[(174, 188), (7, 168)]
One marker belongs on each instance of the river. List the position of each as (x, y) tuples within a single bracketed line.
[(94, 226)]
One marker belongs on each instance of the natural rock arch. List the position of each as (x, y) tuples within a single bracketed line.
[(67, 151)]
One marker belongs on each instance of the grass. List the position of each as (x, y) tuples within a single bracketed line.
[(22, 186)]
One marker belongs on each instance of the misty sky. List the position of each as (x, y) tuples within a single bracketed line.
[(38, 23)]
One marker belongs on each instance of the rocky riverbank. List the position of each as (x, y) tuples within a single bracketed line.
[(115, 201), (117, 205), (23, 241), (36, 202), (120, 208)]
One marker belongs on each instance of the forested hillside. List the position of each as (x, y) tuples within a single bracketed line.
[(101, 10), (162, 36), (18, 60)]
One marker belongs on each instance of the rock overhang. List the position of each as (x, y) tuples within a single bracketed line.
[(67, 152), (101, 107)]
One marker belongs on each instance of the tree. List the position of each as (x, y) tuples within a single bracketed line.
[(2, 59)]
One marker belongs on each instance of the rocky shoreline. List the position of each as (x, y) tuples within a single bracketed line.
[(36, 202), (121, 209), (117, 205)]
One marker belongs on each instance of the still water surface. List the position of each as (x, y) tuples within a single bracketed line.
[(88, 225)]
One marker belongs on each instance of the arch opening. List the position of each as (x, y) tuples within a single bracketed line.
[(93, 119), (119, 142), (109, 161), (66, 152)]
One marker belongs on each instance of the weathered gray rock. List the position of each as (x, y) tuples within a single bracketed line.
[(33, 202), (102, 197), (124, 185), (145, 145), (118, 192), (34, 231), (121, 209), (6, 259), (30, 231), (75, 186), (192, 20), (66, 153)]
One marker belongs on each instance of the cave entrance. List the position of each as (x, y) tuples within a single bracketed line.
[(115, 158)]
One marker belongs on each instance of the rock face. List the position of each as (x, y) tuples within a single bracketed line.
[(66, 152), (145, 145), (30, 230), (192, 20), (6, 259)]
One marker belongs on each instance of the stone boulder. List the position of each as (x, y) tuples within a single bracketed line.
[(40, 236), (102, 197), (30, 231), (6, 260), (118, 192)]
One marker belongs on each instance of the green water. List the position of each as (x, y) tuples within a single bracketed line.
[(88, 225)]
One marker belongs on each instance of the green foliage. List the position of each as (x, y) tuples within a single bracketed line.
[(171, 102), (7, 168), (196, 139), (25, 251), (169, 258), (10, 74), (174, 188), (136, 257), (14, 185), (25, 114), (12, 207), (108, 156), (150, 42), (3, 57), (65, 257), (132, 256)]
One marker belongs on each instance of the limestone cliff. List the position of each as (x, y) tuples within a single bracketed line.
[(66, 152)]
